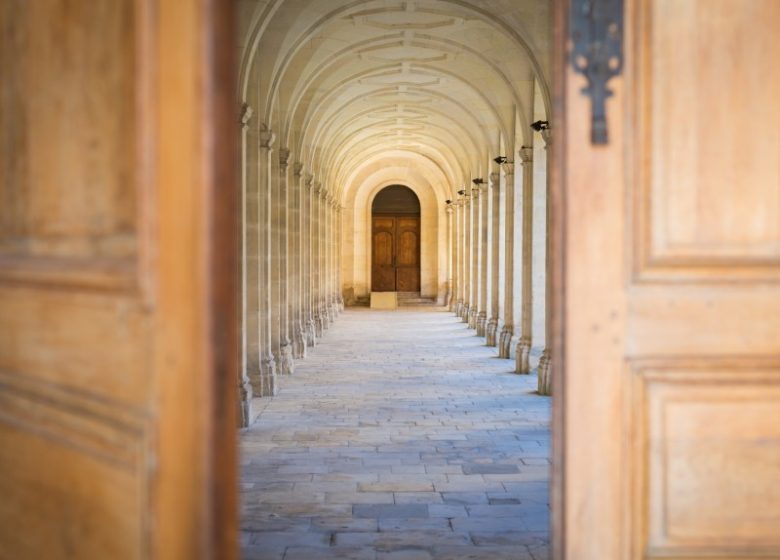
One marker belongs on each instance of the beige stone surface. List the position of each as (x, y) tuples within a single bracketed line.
[(384, 300)]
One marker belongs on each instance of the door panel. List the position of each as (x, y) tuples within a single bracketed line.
[(408, 254), (383, 254), (112, 410), (671, 388)]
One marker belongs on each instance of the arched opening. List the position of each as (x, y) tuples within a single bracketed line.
[(395, 240)]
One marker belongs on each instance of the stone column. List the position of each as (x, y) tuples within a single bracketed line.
[(324, 265), (460, 242), (267, 382), (482, 290), (339, 253), (285, 358), (466, 308), (544, 381), (296, 270), (474, 264), (507, 331), (309, 225), (333, 303), (523, 350), (250, 277), (315, 258), (495, 206), (449, 297)]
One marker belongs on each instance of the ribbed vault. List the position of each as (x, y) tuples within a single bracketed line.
[(346, 84)]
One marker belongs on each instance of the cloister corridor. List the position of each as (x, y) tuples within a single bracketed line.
[(401, 437)]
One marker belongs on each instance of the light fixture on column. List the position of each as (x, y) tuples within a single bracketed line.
[(462, 192), (478, 182), (501, 159), (448, 202), (539, 126)]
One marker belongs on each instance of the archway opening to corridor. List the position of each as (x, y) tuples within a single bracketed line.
[(395, 240)]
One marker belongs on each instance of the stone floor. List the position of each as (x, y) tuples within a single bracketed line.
[(400, 437)]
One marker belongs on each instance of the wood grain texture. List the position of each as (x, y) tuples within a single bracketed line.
[(670, 441), (117, 311)]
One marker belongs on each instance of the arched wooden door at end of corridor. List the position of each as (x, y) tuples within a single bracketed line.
[(395, 241)]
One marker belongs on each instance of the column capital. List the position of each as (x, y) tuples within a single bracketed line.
[(449, 209), (267, 137), (308, 180), (526, 155), (508, 167), (284, 156), (246, 115), (317, 186), (495, 179), (298, 169)]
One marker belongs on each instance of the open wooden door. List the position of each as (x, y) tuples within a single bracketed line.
[(116, 332), (669, 433)]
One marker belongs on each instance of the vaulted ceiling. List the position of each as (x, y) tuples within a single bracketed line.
[(442, 84)]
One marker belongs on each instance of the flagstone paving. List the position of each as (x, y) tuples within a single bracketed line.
[(400, 437)]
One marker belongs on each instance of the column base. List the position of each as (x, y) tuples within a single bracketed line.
[(318, 324), (544, 381), (457, 307), (491, 332), (324, 316), (523, 355), (266, 379), (244, 402), (286, 363), (473, 314), (299, 342), (464, 313), (505, 342), (481, 323), (311, 333)]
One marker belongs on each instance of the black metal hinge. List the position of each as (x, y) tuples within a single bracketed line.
[(596, 28)]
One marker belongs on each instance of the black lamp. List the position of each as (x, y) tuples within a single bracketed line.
[(500, 159), (538, 126), (478, 182)]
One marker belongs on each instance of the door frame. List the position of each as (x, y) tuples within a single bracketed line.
[(556, 269)]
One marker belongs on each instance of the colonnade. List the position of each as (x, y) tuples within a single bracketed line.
[(500, 261), (289, 258)]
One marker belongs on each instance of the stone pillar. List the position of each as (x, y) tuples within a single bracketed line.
[(315, 258), (324, 268), (523, 350), (250, 277), (282, 276), (309, 229), (339, 253), (544, 381), (507, 331), (466, 308), (474, 261), (491, 333), (333, 303), (297, 333), (449, 297), (267, 382), (482, 260)]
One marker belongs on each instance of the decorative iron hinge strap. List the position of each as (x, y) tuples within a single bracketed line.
[(596, 28)]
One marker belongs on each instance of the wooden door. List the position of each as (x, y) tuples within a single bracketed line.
[(395, 254), (407, 250), (383, 254), (668, 277), (116, 332)]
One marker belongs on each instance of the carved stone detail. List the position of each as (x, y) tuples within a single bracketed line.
[(544, 381), (505, 342), (523, 355)]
